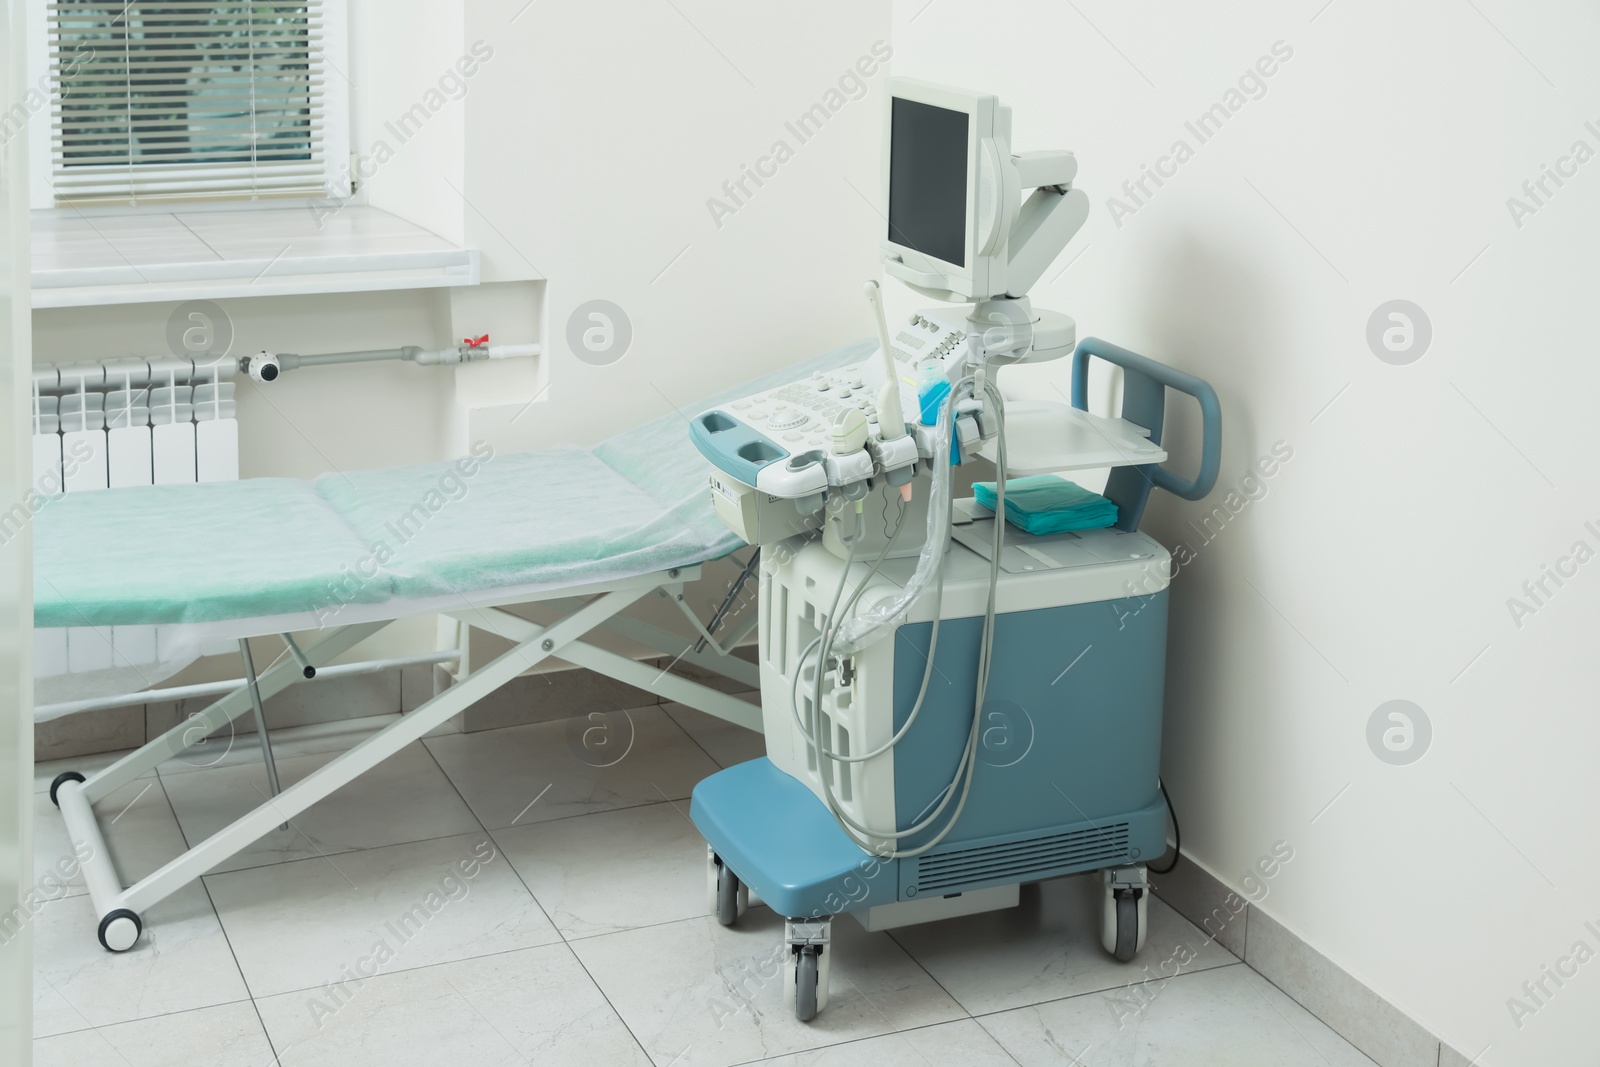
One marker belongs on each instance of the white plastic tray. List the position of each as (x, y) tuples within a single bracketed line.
[(1043, 437)]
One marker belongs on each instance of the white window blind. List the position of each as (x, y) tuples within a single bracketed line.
[(187, 99)]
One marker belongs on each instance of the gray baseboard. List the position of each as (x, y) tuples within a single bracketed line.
[(1218, 911), (114, 729), (89, 732), (1387, 1035)]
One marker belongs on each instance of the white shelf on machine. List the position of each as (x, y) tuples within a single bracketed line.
[(1048, 437)]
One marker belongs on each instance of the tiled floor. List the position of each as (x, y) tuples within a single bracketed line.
[(536, 895)]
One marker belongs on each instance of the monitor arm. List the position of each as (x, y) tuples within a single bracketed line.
[(1031, 235), (1053, 212), (1008, 329)]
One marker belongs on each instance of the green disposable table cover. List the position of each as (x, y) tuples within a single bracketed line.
[(189, 553), (267, 547)]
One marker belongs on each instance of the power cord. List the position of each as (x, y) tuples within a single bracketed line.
[(1177, 835)]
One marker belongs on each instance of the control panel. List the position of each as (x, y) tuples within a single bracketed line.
[(797, 440)]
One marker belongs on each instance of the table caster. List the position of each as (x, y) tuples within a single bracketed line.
[(64, 776), (119, 930)]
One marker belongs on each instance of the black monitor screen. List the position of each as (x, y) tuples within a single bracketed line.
[(928, 179)]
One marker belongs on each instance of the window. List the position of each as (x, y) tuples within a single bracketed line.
[(194, 99)]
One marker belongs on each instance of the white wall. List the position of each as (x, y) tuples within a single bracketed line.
[(580, 144), (16, 579), (400, 49), (1376, 165), (594, 138)]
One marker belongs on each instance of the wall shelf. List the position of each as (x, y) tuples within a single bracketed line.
[(83, 260)]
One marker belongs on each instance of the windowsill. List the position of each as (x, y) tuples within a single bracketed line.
[(82, 260)]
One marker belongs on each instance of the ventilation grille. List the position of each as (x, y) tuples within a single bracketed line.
[(1022, 861)]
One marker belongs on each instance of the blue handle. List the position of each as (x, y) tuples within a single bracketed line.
[(1144, 398), (733, 446)]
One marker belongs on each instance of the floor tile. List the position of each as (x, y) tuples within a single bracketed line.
[(1046, 947), (698, 994), (139, 829), (726, 742), (228, 1035), (302, 925), (959, 1044), (613, 870), (1227, 1017), (404, 798), (515, 1008), (551, 770), (181, 962)]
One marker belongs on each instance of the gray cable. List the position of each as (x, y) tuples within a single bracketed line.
[(927, 672), (966, 768), (941, 461)]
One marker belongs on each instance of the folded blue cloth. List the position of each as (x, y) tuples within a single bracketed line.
[(1046, 504)]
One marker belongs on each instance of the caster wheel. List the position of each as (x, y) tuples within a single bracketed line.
[(805, 983), (1127, 943), (64, 776), (729, 897), (120, 930), (1124, 916), (809, 959), (729, 891)]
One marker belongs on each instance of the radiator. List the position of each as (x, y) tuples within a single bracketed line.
[(119, 424)]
